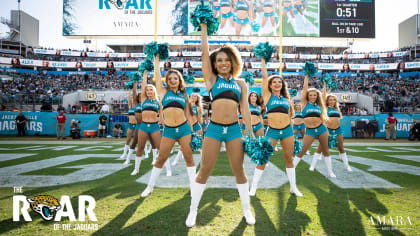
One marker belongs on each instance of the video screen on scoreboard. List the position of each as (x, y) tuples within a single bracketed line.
[(299, 18)]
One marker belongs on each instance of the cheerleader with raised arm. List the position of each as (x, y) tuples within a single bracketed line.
[(298, 122), (131, 125), (334, 129), (197, 119), (279, 106), (220, 70), (255, 103), (149, 127), (314, 115), (137, 114), (177, 118)]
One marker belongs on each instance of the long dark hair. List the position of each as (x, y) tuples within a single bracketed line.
[(284, 90), (259, 99)]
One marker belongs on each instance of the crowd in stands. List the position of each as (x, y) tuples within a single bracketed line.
[(391, 93)]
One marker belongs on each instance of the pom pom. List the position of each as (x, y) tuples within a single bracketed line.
[(333, 86), (135, 76), (327, 79), (297, 146), (204, 14), (163, 51), (255, 26), (264, 50), (129, 85), (147, 64), (249, 78), (332, 141), (259, 150), (196, 142), (189, 79), (309, 69), (293, 92), (151, 49)]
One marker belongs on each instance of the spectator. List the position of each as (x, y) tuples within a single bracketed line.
[(20, 123), (415, 131), (61, 124), (117, 129), (363, 112), (60, 108), (390, 127), (102, 125), (105, 108), (75, 129)]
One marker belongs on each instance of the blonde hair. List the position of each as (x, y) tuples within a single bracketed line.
[(198, 103), (318, 101), (181, 86), (234, 56), (298, 104), (337, 104), (155, 96)]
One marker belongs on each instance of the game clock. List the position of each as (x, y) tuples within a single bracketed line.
[(347, 18)]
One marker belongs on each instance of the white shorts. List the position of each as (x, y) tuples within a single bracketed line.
[(102, 126)]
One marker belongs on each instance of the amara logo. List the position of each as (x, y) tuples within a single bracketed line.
[(397, 220), (125, 4)]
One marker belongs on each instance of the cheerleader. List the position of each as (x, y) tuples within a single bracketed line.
[(280, 111), (288, 7), (243, 14), (255, 108), (197, 120), (137, 115), (149, 127), (177, 121), (220, 70), (299, 6), (131, 125), (226, 13), (333, 125), (269, 8), (314, 113), (215, 6), (298, 123)]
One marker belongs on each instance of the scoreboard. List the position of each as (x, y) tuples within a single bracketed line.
[(347, 18)]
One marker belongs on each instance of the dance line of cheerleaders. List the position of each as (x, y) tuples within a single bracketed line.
[(271, 115), (241, 13)]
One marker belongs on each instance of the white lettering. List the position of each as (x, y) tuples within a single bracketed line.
[(17, 199), (65, 203)]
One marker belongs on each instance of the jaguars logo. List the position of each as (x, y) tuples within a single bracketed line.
[(45, 205), (119, 4)]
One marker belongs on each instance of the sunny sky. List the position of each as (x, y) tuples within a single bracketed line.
[(389, 13)]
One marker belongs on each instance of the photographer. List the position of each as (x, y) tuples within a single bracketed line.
[(102, 125), (74, 129), (117, 129)]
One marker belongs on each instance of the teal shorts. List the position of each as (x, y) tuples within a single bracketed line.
[(227, 15), (279, 134), (176, 132), (241, 21), (299, 127), (149, 128), (138, 126), (131, 126), (196, 127), (223, 133), (257, 127), (336, 132), (316, 132), (269, 14)]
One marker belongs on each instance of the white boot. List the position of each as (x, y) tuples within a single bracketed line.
[(179, 155), (257, 175), (127, 161), (146, 152), (296, 161), (343, 157), (136, 165), (314, 160), (124, 155), (329, 167), (152, 181), (168, 168), (155, 153), (244, 194), (196, 193), (320, 157), (291, 174), (191, 174)]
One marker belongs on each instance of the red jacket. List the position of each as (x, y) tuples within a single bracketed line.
[(392, 119)]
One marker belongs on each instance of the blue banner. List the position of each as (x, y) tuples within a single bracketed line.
[(45, 123)]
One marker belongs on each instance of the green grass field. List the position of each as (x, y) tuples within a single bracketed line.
[(325, 209)]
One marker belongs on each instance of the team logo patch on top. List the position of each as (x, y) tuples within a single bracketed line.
[(45, 205)]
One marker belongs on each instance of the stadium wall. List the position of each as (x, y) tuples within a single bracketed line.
[(44, 123)]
